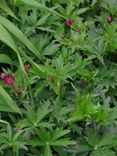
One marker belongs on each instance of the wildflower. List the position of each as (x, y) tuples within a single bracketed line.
[(69, 22), (17, 90), (27, 67), (109, 19), (2, 75), (9, 80)]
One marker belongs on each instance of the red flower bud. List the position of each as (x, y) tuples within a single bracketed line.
[(109, 19), (9, 80), (70, 22)]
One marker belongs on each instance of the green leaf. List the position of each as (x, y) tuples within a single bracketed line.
[(42, 20), (62, 142), (6, 38), (5, 59), (81, 11), (42, 112), (36, 142), (107, 139), (19, 35), (35, 4), (76, 116), (47, 150), (103, 153), (44, 135), (39, 88), (7, 102), (58, 132), (4, 6)]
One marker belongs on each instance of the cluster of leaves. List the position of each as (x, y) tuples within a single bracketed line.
[(58, 77)]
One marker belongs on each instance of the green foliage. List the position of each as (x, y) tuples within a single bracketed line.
[(85, 108), (7, 104), (58, 77), (48, 139)]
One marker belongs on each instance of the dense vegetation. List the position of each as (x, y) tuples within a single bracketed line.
[(58, 77)]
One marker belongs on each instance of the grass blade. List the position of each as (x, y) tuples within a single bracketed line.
[(5, 59), (19, 35), (4, 6), (7, 103), (6, 38)]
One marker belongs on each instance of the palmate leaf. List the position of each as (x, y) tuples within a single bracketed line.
[(51, 138), (45, 140), (60, 113), (107, 140), (85, 108), (103, 153), (62, 142), (42, 112), (35, 118), (6, 102), (59, 132), (44, 135), (76, 116), (12, 139), (42, 20)]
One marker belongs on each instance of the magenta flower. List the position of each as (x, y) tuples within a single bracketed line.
[(2, 75), (70, 22), (9, 80)]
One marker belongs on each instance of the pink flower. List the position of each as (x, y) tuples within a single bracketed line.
[(27, 67), (109, 19), (2, 75), (9, 80), (70, 22)]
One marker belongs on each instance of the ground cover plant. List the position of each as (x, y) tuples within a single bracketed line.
[(58, 77)]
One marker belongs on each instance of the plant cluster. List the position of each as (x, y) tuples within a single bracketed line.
[(58, 77)]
